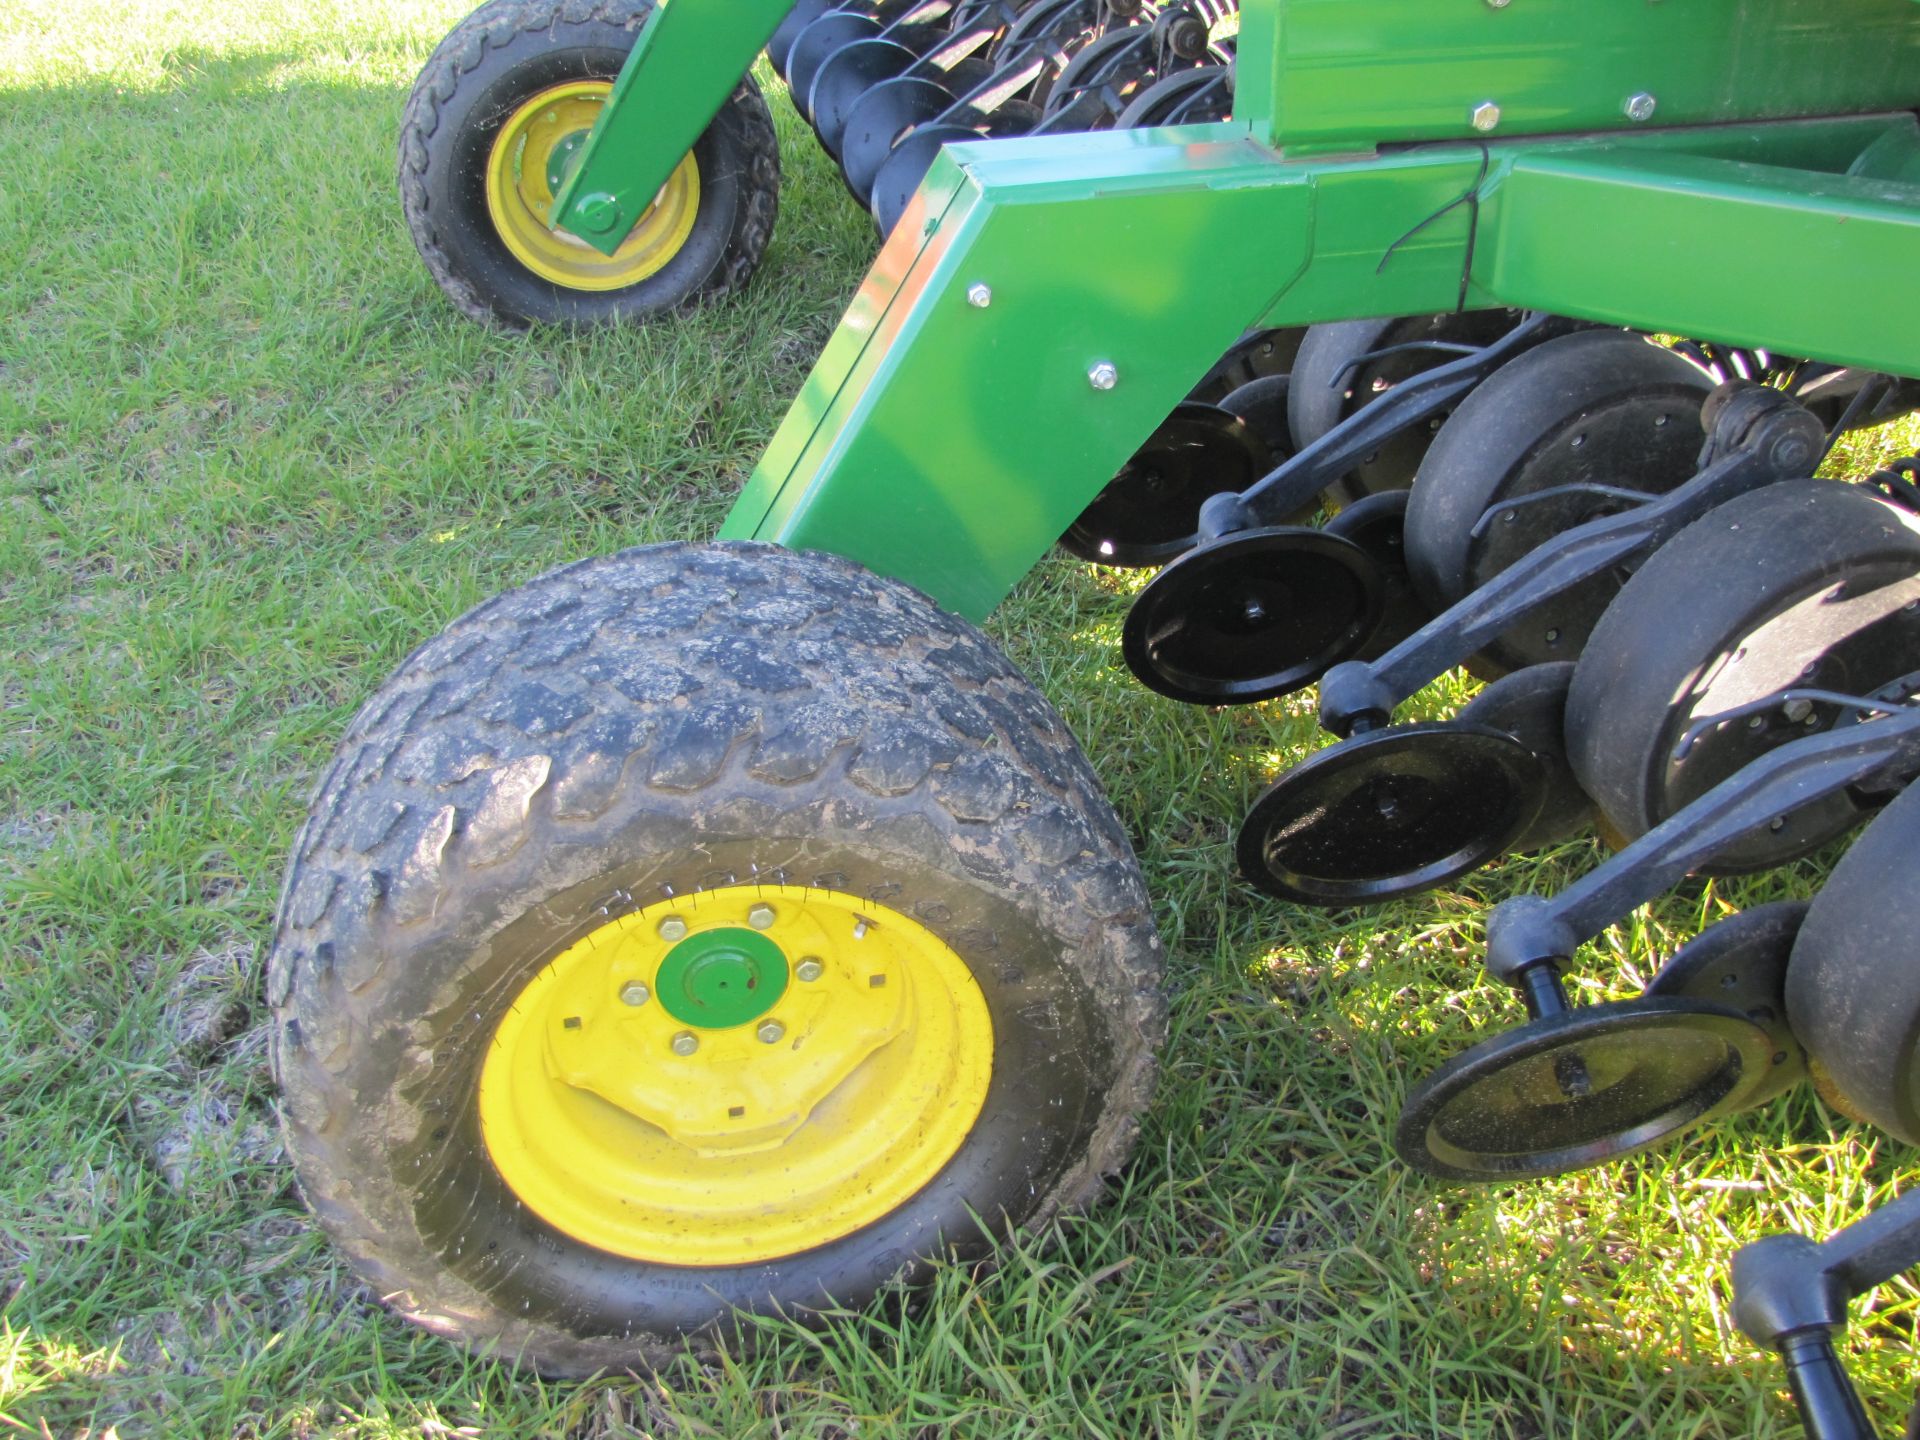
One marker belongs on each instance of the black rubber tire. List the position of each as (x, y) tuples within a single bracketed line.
[(1853, 991), (499, 56), (684, 715), (1524, 429), (1732, 609)]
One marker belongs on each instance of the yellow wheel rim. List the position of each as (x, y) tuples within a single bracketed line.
[(737, 1075), (521, 170)]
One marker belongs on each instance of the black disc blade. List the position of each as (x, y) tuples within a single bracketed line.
[(901, 173), (844, 77), (803, 14), (1251, 616), (817, 44), (879, 119), (1389, 814), (1377, 524), (1741, 963), (1531, 706), (1150, 511), (1581, 1088)]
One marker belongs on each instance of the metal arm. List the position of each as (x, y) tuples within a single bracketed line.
[(1759, 435), (1790, 1295)]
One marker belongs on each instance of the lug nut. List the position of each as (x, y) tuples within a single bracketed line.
[(685, 1043), (760, 916), (770, 1032), (809, 970), (672, 928), (634, 993), (1104, 376)]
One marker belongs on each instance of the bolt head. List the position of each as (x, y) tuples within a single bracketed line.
[(979, 296), (672, 928), (770, 1032), (1104, 376), (1485, 116), (1640, 106), (809, 970), (634, 993), (1497, 4), (760, 916), (685, 1043)]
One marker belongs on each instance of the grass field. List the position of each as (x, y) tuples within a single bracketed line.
[(249, 458)]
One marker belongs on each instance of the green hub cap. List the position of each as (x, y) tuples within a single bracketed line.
[(721, 978)]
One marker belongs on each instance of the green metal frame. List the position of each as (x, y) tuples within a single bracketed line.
[(949, 442)]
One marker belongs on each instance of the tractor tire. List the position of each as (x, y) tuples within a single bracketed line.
[(487, 126), (500, 1094)]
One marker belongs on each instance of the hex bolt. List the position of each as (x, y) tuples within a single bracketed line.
[(770, 1032), (672, 928), (685, 1043), (979, 295), (1640, 106), (809, 970), (1485, 116), (1798, 709), (760, 916), (1104, 376), (634, 993), (1497, 4)]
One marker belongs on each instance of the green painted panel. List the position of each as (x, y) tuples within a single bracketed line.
[(1320, 74)]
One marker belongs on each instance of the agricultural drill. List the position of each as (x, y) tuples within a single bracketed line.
[(730, 927)]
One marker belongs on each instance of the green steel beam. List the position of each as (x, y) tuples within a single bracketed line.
[(949, 443), (687, 61), (1342, 75)]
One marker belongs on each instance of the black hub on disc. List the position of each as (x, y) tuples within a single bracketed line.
[(1254, 615), (1531, 706), (1150, 511), (1389, 814), (1741, 963), (1580, 1088)]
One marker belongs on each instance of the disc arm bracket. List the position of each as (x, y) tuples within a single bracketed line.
[(1532, 931), (1759, 436)]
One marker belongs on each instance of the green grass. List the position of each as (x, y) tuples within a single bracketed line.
[(248, 458)]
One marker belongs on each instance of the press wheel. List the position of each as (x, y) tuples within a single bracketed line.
[(1741, 962), (1322, 396), (1601, 406), (1853, 990), (1808, 582)]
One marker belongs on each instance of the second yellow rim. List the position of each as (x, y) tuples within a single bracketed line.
[(737, 1075), (520, 192)]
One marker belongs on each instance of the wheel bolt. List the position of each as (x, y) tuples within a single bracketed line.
[(634, 993), (809, 970), (685, 1043), (760, 916), (673, 928), (770, 1032)]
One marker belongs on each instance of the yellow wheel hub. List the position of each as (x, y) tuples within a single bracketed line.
[(523, 170), (736, 1075)]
